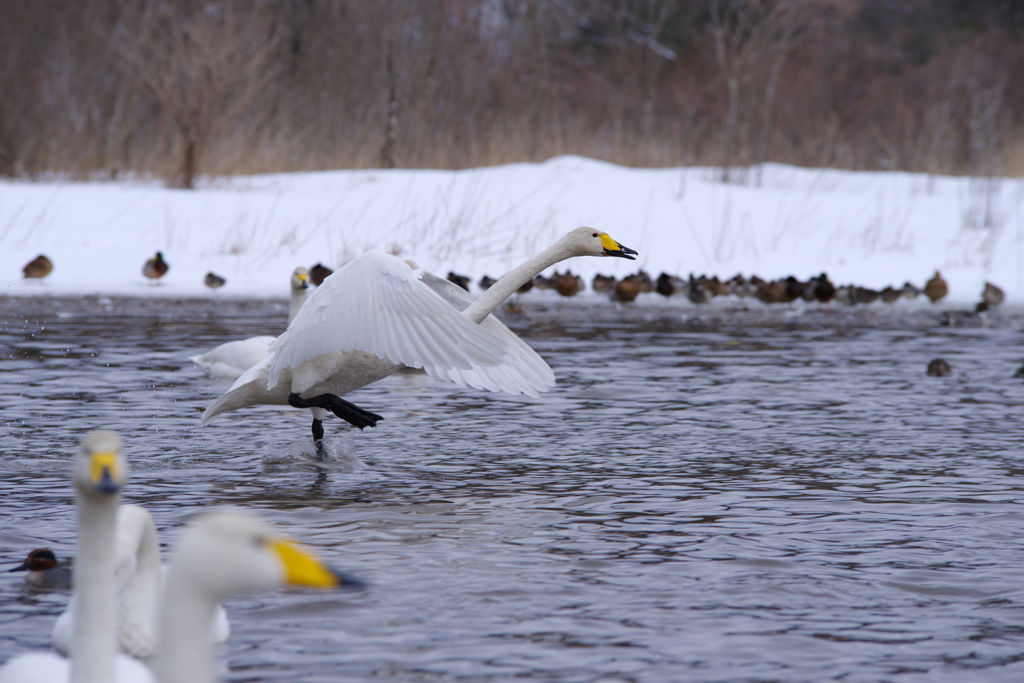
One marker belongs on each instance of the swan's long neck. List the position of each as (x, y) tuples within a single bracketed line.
[(519, 276), (184, 653), (298, 298), (94, 639)]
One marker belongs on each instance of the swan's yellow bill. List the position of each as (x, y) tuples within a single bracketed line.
[(613, 248), (301, 568), (103, 470)]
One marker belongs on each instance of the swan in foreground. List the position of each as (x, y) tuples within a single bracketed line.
[(138, 579), (231, 359), (99, 474), (377, 314), (220, 554)]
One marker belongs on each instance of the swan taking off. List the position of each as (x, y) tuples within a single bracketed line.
[(377, 314), (231, 359)]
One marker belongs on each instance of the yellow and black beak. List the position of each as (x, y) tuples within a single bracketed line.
[(613, 248), (104, 474), (304, 281), (302, 568)]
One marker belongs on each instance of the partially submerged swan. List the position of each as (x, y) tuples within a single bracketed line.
[(99, 474), (377, 314), (139, 578), (231, 359)]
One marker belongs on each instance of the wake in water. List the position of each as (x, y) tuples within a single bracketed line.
[(339, 456)]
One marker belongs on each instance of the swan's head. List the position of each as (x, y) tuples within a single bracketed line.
[(99, 468), (230, 551), (593, 242), (300, 279)]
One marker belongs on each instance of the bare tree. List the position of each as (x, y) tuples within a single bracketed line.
[(752, 41), (205, 64)]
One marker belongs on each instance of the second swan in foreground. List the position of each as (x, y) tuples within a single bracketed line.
[(376, 314)]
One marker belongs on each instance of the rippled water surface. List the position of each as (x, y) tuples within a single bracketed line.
[(707, 495)]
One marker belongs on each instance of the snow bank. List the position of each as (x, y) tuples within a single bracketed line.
[(868, 228)]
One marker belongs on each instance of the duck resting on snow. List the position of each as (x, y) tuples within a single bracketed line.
[(377, 314)]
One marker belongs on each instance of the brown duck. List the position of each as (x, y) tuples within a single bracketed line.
[(38, 268), (214, 281), (936, 288), (318, 273), (566, 284), (602, 283), (627, 289), (991, 297)]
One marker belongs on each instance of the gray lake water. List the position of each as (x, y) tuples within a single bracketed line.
[(707, 495)]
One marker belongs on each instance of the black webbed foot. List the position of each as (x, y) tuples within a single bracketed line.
[(349, 412)]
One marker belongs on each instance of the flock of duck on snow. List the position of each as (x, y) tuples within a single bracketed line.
[(698, 289)]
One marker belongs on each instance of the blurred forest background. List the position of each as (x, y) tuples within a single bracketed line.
[(177, 88)]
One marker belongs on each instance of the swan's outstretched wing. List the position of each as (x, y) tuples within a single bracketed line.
[(523, 372), (376, 304)]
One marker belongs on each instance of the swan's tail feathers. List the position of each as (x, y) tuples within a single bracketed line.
[(349, 412), (215, 409)]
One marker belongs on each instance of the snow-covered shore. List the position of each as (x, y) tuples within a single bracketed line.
[(871, 229)]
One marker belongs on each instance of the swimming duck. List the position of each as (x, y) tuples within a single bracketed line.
[(936, 288), (939, 368), (44, 571), (485, 282), (155, 268), (37, 268)]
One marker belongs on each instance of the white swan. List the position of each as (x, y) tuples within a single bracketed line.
[(376, 314), (231, 359), (138, 580), (223, 553), (99, 474)]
